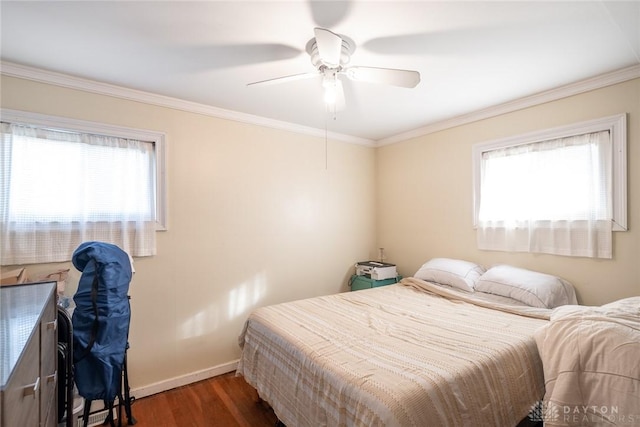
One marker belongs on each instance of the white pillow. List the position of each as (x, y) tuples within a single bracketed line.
[(530, 287), (452, 272)]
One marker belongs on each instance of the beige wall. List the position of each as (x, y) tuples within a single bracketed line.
[(254, 218), (425, 196)]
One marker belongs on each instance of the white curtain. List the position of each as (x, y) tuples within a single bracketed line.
[(59, 189), (549, 197)]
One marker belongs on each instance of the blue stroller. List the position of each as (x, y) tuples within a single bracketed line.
[(101, 327)]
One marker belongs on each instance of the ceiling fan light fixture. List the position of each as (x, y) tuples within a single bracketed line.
[(351, 73), (330, 95), (330, 86)]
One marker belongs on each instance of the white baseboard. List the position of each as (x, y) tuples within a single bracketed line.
[(193, 377)]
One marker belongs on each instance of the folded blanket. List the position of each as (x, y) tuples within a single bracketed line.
[(591, 362)]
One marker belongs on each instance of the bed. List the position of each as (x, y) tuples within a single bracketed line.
[(416, 353)]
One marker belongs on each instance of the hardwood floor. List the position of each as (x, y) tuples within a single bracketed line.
[(224, 401)]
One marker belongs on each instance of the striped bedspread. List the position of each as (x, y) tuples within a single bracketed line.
[(409, 354)]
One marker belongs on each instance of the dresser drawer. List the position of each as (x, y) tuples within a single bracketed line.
[(21, 397), (49, 364), (28, 349)]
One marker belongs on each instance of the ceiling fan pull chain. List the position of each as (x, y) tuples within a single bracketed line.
[(326, 145)]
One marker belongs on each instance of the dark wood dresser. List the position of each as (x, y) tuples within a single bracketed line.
[(28, 355)]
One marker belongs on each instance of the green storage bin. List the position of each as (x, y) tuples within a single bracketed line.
[(362, 282)]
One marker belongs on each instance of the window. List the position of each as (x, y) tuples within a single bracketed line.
[(64, 182), (559, 191)]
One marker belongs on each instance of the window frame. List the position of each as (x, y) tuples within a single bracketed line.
[(84, 126), (616, 125)]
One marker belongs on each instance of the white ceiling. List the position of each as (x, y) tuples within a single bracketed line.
[(471, 55)]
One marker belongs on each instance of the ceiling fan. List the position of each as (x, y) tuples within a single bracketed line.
[(330, 53)]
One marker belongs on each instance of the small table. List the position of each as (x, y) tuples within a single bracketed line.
[(358, 283)]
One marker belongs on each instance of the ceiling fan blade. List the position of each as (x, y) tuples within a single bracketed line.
[(284, 79), (208, 56), (329, 47), (329, 14), (390, 76)]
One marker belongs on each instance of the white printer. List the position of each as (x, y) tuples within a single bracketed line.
[(376, 270)]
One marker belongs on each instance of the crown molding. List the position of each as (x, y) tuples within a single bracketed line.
[(72, 82), (593, 83)]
